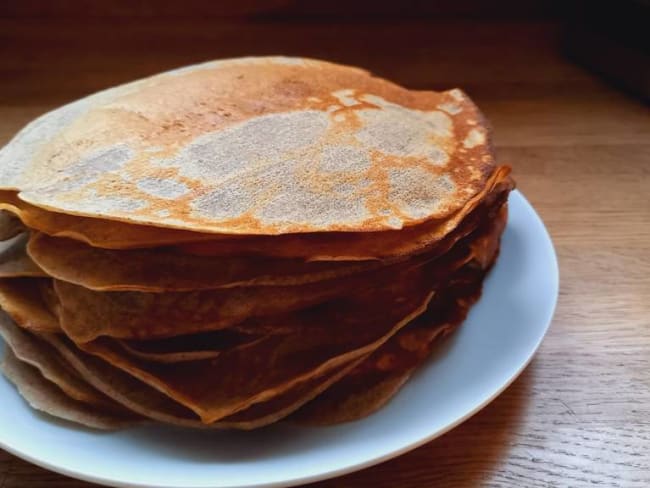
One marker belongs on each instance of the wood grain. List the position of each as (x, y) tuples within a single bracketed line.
[(580, 414)]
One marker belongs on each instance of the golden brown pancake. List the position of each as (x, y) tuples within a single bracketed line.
[(373, 383), (225, 244), (40, 355), (411, 342), (350, 246), (370, 385), (314, 147), (86, 314), (150, 403), (164, 269), (473, 243), (279, 405), (46, 397), (284, 404), (10, 225), (98, 232), (239, 378), (321, 246), (44, 357), (22, 299), (14, 261), (26, 301)]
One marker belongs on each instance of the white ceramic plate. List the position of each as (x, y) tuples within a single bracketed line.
[(467, 371)]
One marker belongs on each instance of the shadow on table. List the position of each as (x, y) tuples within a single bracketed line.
[(463, 457)]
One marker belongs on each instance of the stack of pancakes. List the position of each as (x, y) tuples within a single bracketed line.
[(239, 242)]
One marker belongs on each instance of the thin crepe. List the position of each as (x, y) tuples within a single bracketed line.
[(164, 269), (47, 398), (98, 232), (10, 225), (412, 342), (132, 395), (23, 299), (87, 314), (360, 246), (14, 261), (374, 382), (41, 356), (29, 303), (150, 403), (315, 147), (329, 337), (259, 414), (327, 247)]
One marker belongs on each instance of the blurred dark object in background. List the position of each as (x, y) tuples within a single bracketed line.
[(612, 38)]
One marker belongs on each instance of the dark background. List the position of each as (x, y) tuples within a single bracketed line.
[(610, 38)]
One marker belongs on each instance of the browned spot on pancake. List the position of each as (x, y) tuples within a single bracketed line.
[(234, 147)]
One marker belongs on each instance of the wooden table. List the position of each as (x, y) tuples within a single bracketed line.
[(580, 414)]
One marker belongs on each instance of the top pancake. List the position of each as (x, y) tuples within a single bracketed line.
[(255, 146)]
